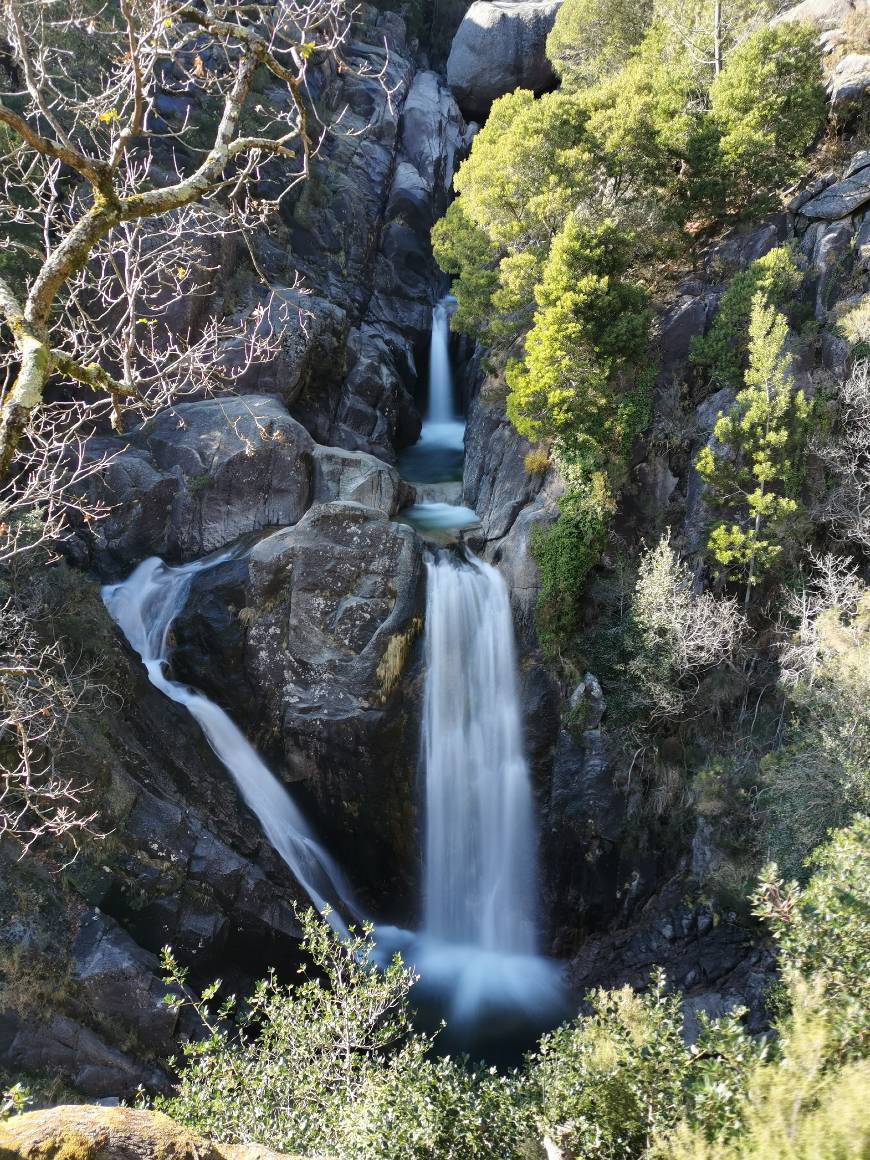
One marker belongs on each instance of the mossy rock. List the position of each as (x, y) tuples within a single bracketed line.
[(87, 1132)]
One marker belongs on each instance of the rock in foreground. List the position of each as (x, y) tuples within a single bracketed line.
[(85, 1132)]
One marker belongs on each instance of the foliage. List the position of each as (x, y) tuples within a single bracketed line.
[(823, 932), (752, 469), (767, 106), (13, 1100), (566, 552), (612, 1079), (463, 249), (333, 1063), (333, 1066), (795, 1107), (809, 1101), (722, 352), (591, 39), (820, 775), (674, 633), (536, 461), (589, 329)]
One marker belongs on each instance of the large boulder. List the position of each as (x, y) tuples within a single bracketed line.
[(850, 81), (324, 621), (510, 502), (827, 14), (198, 476), (842, 199), (500, 46)]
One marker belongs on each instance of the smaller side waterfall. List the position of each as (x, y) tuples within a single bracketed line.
[(143, 607), (480, 836)]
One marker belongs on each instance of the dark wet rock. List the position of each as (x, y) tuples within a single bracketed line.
[(330, 674), (60, 1044), (582, 826), (200, 475), (323, 622), (688, 318), (713, 959), (500, 46), (510, 503)]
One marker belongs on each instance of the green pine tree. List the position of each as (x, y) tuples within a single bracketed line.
[(752, 469)]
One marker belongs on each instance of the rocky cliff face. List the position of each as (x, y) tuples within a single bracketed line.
[(308, 636)]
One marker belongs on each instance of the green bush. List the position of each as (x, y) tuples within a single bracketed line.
[(613, 1079), (723, 351), (590, 328), (823, 933), (566, 552), (753, 468), (591, 39), (767, 106)]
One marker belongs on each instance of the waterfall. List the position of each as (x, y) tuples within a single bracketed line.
[(477, 953), (440, 379), (479, 886), (144, 607)]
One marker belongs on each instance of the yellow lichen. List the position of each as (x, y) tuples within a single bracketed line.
[(395, 657)]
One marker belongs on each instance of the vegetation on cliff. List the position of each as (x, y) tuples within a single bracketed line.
[(332, 1065)]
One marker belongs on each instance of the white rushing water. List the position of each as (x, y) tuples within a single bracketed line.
[(479, 886), (477, 953), (144, 607), (440, 376)]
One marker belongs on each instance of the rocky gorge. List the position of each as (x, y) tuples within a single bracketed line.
[(310, 634)]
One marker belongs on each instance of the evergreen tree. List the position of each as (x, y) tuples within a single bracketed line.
[(752, 468)]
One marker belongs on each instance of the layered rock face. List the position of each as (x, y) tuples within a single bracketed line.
[(308, 636), (500, 46)]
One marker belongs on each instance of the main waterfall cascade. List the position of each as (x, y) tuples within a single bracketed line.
[(479, 886), (477, 952)]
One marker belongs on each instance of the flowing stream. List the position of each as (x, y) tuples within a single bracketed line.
[(479, 886), (144, 607), (477, 952)]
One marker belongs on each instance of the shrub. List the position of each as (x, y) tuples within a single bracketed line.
[(611, 1080), (566, 553), (767, 106), (592, 38), (823, 933), (536, 461), (590, 328), (820, 775), (722, 352), (845, 453), (675, 634), (753, 468)]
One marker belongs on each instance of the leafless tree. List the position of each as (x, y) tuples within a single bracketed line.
[(845, 453), (85, 181), (133, 134), (40, 692)]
